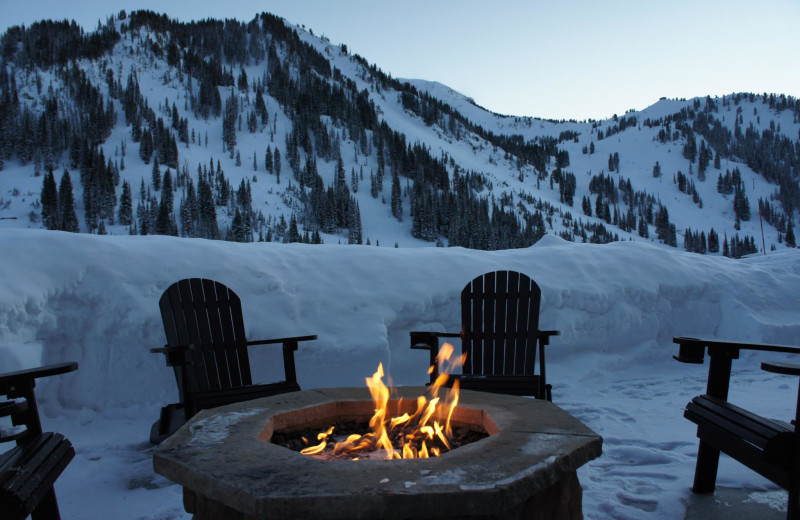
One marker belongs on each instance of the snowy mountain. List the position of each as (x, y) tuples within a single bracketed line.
[(264, 131)]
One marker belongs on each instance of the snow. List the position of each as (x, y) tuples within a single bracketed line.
[(94, 300)]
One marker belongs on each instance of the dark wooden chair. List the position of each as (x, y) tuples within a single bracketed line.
[(768, 446), (207, 347), (29, 470), (499, 335)]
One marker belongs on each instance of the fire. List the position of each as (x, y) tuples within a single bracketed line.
[(425, 433)]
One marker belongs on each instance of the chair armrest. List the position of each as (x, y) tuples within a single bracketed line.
[(779, 367), (545, 335), (11, 379), (692, 349), (423, 340), (293, 339), (169, 349)]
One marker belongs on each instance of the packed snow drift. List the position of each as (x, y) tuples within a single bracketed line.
[(94, 300)]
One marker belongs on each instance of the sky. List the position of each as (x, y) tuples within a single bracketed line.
[(576, 59)]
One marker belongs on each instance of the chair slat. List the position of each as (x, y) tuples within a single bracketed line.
[(476, 350), (240, 340), (526, 358), (225, 347), (489, 302), (466, 328), (205, 363), (501, 332)]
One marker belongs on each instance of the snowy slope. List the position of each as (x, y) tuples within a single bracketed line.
[(95, 300), (637, 147)]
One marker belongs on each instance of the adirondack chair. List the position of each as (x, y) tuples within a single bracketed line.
[(29, 470), (207, 347), (767, 446), (499, 335)]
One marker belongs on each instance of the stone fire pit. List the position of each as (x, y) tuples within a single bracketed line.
[(526, 468)]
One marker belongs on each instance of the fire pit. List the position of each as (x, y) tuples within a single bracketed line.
[(525, 468)]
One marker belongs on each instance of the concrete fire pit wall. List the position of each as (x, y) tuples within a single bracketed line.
[(527, 469)]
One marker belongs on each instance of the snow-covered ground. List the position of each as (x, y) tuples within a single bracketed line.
[(94, 300)]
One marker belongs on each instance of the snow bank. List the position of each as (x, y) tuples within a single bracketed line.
[(95, 300)]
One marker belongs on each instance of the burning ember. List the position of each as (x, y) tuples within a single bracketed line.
[(425, 433)]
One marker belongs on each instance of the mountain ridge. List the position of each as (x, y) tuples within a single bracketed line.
[(509, 180)]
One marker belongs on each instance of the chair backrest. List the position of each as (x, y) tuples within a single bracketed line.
[(208, 315), (500, 320)]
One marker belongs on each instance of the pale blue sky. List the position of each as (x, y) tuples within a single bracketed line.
[(555, 59)]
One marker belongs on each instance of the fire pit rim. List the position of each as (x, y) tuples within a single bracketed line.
[(218, 454)]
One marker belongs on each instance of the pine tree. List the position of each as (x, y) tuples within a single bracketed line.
[(68, 220), (229, 123), (166, 194), (294, 234), (789, 238), (125, 213), (643, 230), (713, 241), (397, 198), (156, 174), (49, 199), (277, 165), (268, 160)]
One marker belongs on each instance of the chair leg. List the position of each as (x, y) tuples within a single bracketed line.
[(705, 473), (47, 508)]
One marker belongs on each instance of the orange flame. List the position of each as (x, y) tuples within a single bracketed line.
[(414, 430)]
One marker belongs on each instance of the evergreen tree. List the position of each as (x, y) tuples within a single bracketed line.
[(229, 122), (741, 205), (166, 194), (49, 199), (277, 165), (656, 170), (713, 241), (268, 160), (163, 225), (294, 234), (236, 232), (156, 174), (397, 198), (789, 237), (125, 214), (68, 220), (643, 230)]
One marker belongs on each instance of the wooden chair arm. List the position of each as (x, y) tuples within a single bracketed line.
[(424, 340), (293, 339), (11, 379), (722, 353), (169, 349), (545, 335), (693, 349), (779, 367)]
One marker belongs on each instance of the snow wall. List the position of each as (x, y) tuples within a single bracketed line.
[(94, 300)]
